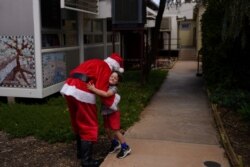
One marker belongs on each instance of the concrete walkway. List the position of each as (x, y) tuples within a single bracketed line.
[(176, 129)]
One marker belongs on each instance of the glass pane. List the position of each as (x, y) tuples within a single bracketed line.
[(57, 65), (87, 25), (88, 39), (50, 40), (98, 38), (69, 20), (109, 24), (69, 27), (64, 32), (54, 68), (109, 38), (185, 26), (97, 26), (116, 37), (70, 38), (51, 14)]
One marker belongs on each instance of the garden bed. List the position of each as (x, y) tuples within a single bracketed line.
[(234, 132)]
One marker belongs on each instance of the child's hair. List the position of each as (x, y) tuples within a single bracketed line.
[(119, 75)]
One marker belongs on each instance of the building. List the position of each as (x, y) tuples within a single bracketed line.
[(42, 40), (198, 12), (177, 29)]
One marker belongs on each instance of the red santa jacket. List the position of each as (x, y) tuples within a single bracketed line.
[(98, 72)]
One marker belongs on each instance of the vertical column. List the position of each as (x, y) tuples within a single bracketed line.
[(105, 40), (80, 36)]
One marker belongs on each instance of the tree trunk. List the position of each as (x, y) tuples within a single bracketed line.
[(151, 55)]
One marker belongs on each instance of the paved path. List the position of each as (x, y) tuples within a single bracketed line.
[(176, 129)]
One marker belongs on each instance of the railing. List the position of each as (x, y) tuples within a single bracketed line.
[(199, 64), (174, 43)]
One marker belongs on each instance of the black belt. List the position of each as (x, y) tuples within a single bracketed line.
[(80, 76)]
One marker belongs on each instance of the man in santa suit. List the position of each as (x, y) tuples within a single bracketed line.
[(82, 102)]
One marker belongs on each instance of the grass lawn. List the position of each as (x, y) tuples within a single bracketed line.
[(48, 119)]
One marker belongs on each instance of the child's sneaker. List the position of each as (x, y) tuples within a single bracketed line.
[(124, 152), (114, 148)]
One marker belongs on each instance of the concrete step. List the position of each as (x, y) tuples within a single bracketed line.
[(187, 54)]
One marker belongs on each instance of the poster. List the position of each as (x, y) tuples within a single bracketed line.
[(54, 68), (17, 62)]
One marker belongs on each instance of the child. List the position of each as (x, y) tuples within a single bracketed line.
[(112, 117)]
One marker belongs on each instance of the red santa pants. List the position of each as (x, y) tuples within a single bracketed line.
[(83, 118)]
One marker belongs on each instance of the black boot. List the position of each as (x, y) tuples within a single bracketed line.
[(78, 146), (86, 155)]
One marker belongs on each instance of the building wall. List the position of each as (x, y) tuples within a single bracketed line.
[(104, 9), (185, 11), (17, 46), (186, 33), (16, 17), (174, 35), (201, 10)]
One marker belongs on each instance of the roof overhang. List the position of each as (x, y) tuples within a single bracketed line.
[(86, 6), (151, 13)]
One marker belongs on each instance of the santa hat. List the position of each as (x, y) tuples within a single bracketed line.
[(116, 62)]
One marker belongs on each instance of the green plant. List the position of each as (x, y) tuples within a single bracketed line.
[(228, 98), (48, 122), (245, 111)]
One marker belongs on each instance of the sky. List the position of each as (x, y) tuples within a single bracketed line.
[(156, 1)]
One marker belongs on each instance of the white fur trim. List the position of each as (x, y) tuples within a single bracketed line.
[(80, 95), (113, 64), (121, 70), (117, 99)]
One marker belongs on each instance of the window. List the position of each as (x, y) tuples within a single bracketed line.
[(185, 26), (93, 31), (59, 26), (51, 14), (110, 37), (87, 25), (98, 26)]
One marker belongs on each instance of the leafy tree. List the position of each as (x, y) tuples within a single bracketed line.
[(154, 49), (226, 43), (151, 55), (226, 52)]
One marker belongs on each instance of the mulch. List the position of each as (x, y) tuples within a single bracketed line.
[(238, 132), (28, 151)]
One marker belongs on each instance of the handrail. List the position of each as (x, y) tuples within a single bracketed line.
[(199, 73), (60, 49)]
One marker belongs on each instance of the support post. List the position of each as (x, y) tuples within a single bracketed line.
[(11, 100)]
